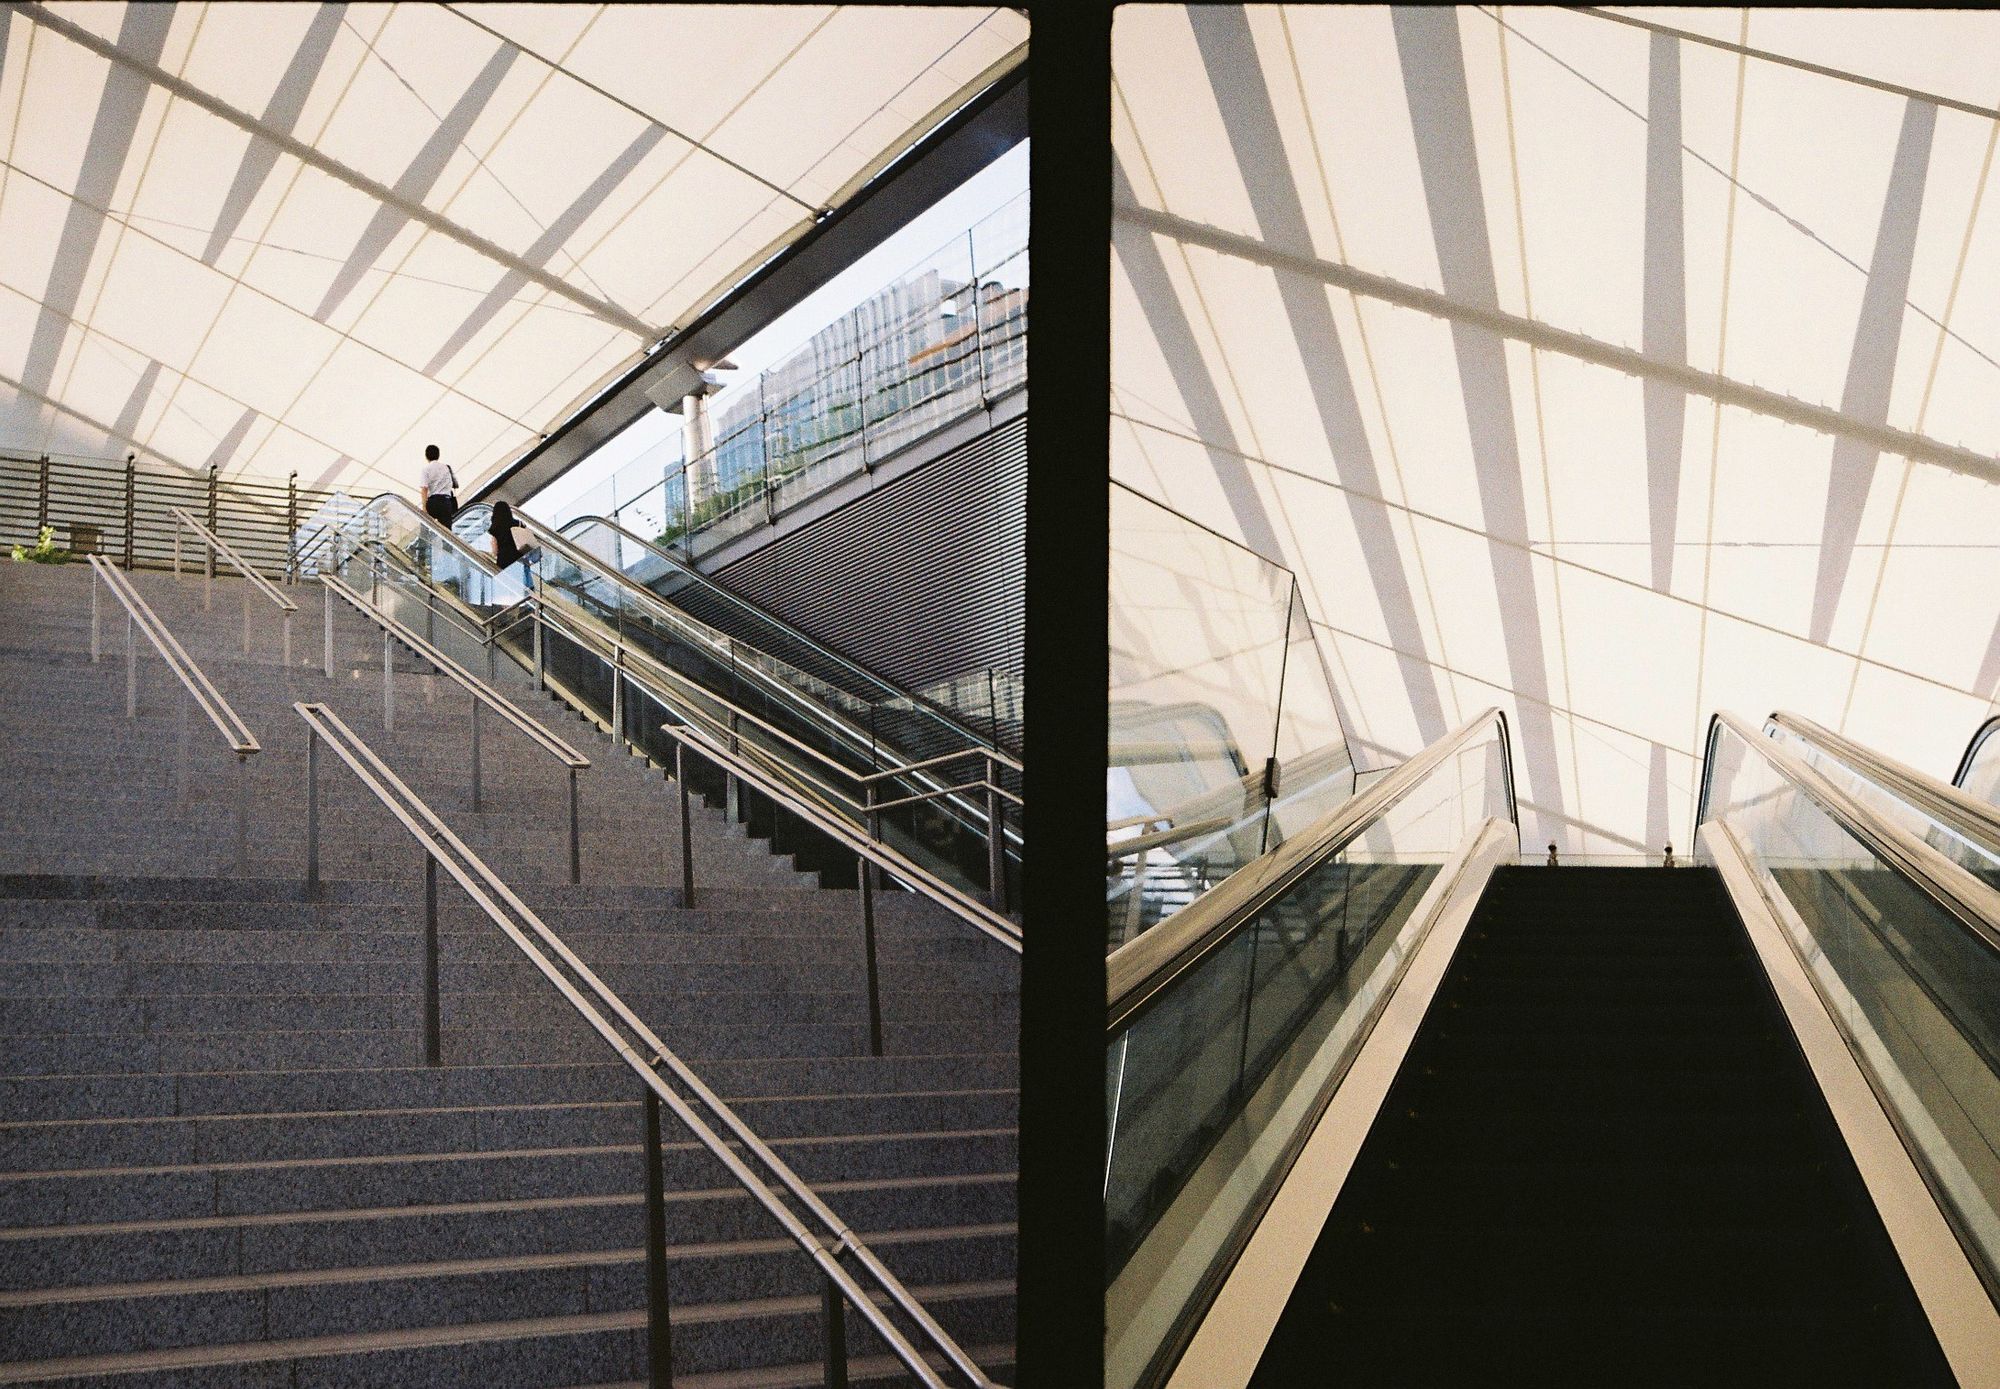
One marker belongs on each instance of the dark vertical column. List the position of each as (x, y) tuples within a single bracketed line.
[(1061, 1309)]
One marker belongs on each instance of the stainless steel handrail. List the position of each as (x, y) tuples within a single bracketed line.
[(1144, 967), (1967, 899), (513, 916), (482, 694), (710, 585), (1979, 736), (661, 683), (140, 617), (1967, 816), (920, 879), (217, 545)]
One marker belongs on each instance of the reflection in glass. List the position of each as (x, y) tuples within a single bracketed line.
[(1224, 739)]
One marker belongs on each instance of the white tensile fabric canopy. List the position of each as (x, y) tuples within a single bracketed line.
[(1614, 367), (283, 238)]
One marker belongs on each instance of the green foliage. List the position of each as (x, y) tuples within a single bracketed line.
[(44, 551)]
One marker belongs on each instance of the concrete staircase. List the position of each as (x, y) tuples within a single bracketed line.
[(222, 1161)]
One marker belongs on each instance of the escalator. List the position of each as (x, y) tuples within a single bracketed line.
[(1571, 1126), (1604, 1160), (786, 753)]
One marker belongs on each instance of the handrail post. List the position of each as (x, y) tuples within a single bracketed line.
[(874, 819), (213, 524), (388, 683), (208, 578), (131, 504), (131, 666), (288, 641), (575, 849), (732, 793), (246, 617), (96, 623), (834, 1315), (328, 593), (687, 828), (659, 1330), (537, 624), (312, 812), (42, 498), (996, 842), (433, 1045), (866, 874), (177, 549), (291, 534), (618, 698), (475, 754), (243, 813)]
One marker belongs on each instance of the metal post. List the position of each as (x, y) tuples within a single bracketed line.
[(978, 307), (575, 849), (433, 1046), (42, 499), (687, 826), (291, 533), (996, 840), (874, 827), (659, 1332), (288, 641), (475, 754), (312, 812), (96, 623), (618, 698), (537, 622), (177, 550), (732, 796), (212, 524), (868, 940), (246, 617), (131, 667), (861, 405), (388, 683), (834, 1315), (208, 579), (243, 813), (131, 504), (327, 593)]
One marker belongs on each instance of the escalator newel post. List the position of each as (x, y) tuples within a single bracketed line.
[(866, 875), (687, 828)]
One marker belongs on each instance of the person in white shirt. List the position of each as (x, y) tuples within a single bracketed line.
[(440, 487)]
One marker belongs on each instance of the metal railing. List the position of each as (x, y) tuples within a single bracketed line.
[(809, 797), (121, 508), (1964, 815), (195, 685), (1146, 967), (947, 713), (215, 545), (943, 342), (1972, 749), (482, 694), (635, 670), (701, 1111)]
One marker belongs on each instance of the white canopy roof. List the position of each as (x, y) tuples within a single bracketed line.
[(1614, 367), (314, 238)]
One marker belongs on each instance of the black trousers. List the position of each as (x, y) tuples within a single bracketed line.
[(441, 506)]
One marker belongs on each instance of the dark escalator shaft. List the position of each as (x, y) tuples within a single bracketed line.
[(1604, 1161)]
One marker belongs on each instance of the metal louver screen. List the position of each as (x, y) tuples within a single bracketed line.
[(86, 502), (919, 582)]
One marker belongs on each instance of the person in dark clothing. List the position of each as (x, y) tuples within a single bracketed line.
[(510, 541)]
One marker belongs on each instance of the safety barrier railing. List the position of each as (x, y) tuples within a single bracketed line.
[(1899, 934), (821, 1235), (195, 686), (814, 797), (252, 580), (1230, 1025), (483, 695)]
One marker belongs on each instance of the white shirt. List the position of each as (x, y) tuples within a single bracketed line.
[(438, 481)]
